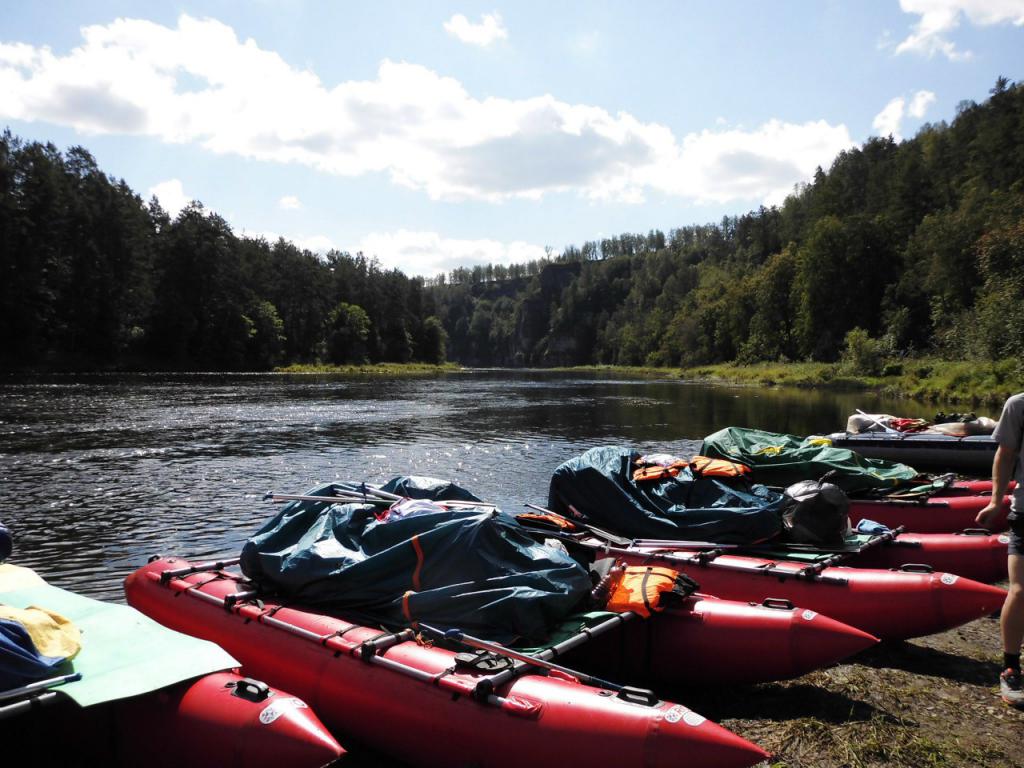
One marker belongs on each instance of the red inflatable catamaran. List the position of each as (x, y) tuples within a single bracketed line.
[(422, 703), (941, 513)]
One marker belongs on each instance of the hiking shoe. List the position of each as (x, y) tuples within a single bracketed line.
[(1010, 688)]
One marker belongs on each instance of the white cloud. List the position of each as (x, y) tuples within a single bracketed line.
[(314, 243), (483, 34), (289, 203), (761, 164), (938, 18), (198, 83), (429, 254), (920, 103), (890, 120), (171, 195)]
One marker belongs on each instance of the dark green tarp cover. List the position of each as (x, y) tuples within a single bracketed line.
[(599, 485), (782, 460), (474, 569)]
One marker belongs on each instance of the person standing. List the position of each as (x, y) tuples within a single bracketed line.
[(1007, 464)]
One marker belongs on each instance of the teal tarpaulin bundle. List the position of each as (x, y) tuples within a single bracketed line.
[(599, 486), (472, 568)]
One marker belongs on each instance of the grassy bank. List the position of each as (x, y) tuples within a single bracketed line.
[(928, 380), (924, 379), (378, 369)]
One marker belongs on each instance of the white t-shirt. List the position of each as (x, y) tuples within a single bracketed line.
[(1009, 433)]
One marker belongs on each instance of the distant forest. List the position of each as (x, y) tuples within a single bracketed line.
[(916, 248)]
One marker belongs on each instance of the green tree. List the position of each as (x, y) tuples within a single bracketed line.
[(348, 328), (435, 341), (266, 335)]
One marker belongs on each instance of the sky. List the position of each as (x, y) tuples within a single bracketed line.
[(432, 135)]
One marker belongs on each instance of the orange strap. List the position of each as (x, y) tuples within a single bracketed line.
[(419, 562), (406, 611)]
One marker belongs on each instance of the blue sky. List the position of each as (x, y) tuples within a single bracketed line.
[(437, 134)]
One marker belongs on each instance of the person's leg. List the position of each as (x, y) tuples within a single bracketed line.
[(1011, 625), (1011, 622)]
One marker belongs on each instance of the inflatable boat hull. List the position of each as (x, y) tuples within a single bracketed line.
[(410, 701)]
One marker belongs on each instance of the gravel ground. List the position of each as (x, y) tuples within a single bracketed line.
[(932, 701)]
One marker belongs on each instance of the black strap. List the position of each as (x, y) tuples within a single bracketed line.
[(643, 589)]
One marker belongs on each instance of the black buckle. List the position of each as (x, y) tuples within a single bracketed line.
[(637, 696), (251, 690), (916, 568), (483, 661)]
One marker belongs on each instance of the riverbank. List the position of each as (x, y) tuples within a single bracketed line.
[(926, 379), (390, 370)]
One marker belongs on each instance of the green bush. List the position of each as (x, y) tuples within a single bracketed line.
[(892, 369), (862, 355)]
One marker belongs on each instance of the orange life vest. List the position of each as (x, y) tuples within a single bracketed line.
[(700, 466), (553, 521), (646, 589), (708, 467)]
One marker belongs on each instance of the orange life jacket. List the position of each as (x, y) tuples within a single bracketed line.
[(553, 521), (646, 589), (658, 466), (700, 466), (708, 467)]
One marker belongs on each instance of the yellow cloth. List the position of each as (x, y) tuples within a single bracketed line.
[(14, 577), (52, 634)]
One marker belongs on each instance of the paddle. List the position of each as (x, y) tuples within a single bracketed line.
[(39, 685), (624, 541), (876, 421), (279, 497)]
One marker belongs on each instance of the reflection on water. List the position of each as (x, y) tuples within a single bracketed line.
[(101, 472)]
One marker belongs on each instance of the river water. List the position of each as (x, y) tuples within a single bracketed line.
[(98, 473)]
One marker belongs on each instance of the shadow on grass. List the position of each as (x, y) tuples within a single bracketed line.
[(919, 660), (779, 702)]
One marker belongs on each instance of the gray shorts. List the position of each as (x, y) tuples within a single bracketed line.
[(1016, 534)]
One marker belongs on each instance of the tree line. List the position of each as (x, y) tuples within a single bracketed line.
[(912, 247), (915, 247), (93, 277)]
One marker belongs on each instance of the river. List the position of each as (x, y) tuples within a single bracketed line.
[(100, 472)]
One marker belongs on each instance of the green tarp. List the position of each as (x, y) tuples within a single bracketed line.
[(781, 460), (123, 652)]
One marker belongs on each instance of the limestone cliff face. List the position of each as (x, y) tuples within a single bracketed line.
[(531, 328), (535, 342)]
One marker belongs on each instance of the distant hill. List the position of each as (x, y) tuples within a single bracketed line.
[(918, 244)]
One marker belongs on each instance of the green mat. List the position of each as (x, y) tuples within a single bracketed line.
[(123, 652)]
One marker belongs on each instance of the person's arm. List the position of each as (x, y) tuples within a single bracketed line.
[(1002, 472)]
